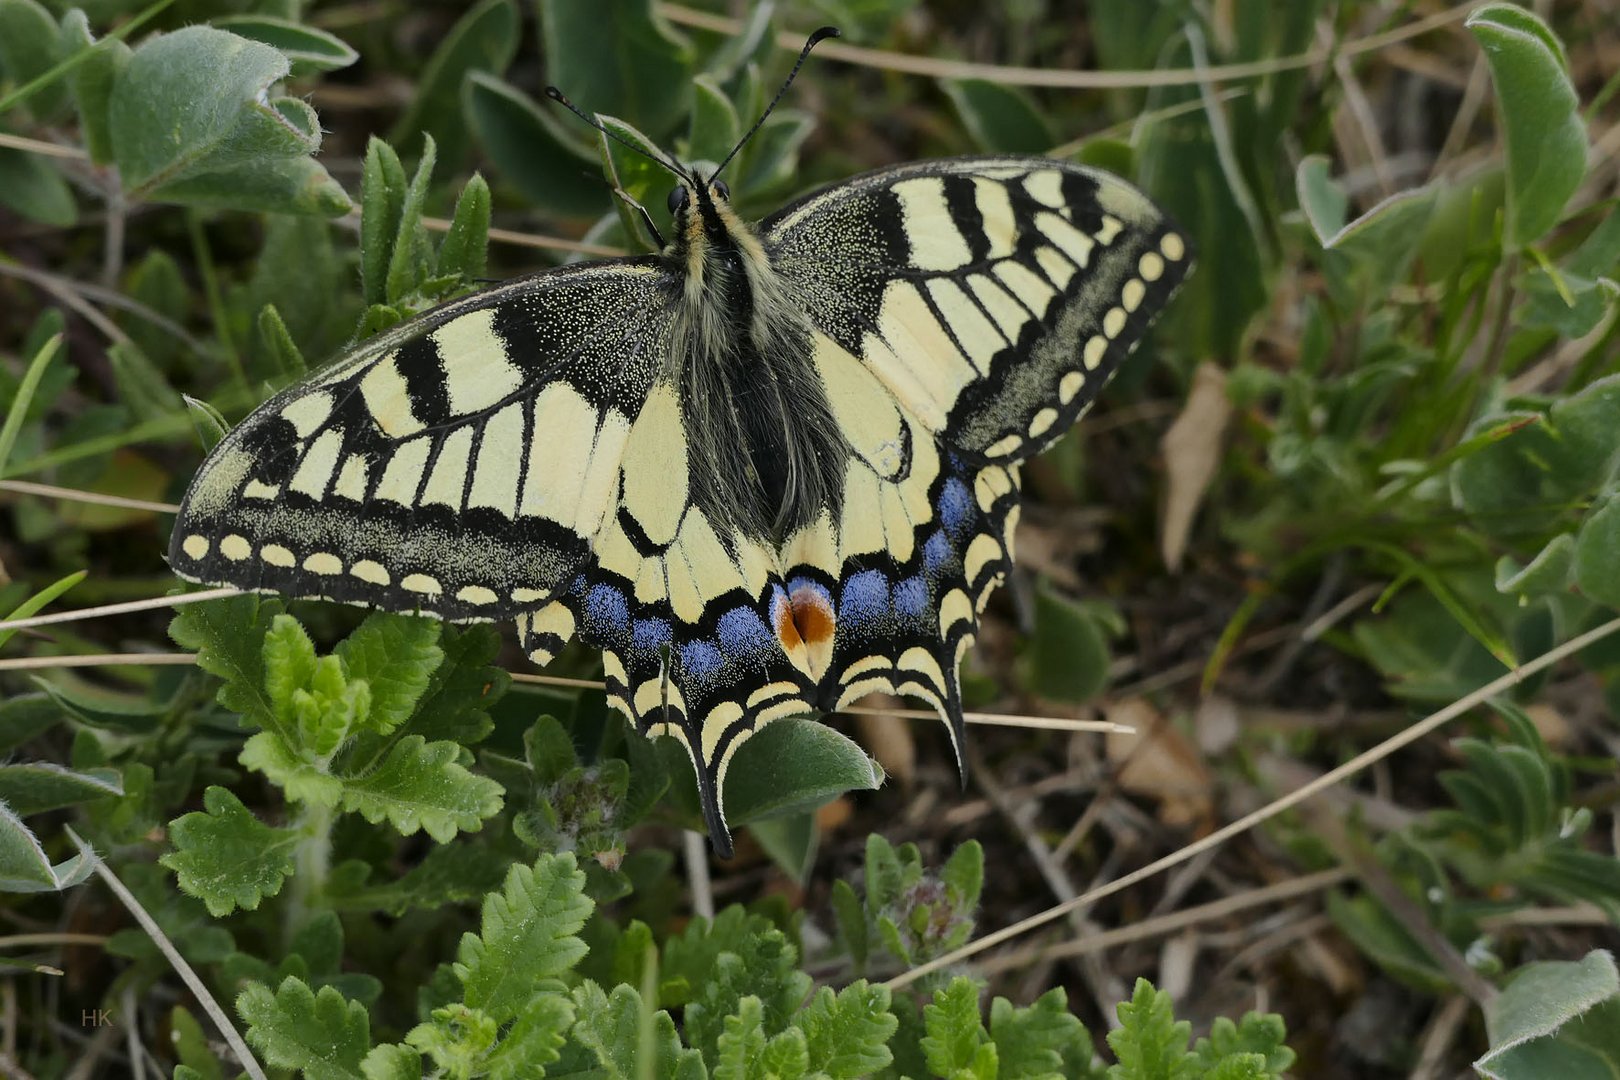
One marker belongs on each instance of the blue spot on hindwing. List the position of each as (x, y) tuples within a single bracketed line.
[(651, 635), (742, 631), (911, 597), (607, 613), (865, 595), (956, 507), (937, 552), (700, 659)]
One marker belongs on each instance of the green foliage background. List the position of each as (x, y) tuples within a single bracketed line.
[(385, 858)]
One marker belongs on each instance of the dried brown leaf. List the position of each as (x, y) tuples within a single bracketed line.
[(1192, 448)]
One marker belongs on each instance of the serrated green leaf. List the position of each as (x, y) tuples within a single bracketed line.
[(226, 857), (847, 1033), (737, 1056), (33, 787), (391, 1061), (484, 39), (534, 1040), (227, 636), (620, 1030), (529, 933), (321, 1033), (421, 785), (289, 666), (955, 1032), (1150, 1043), (851, 917), (1541, 120), (308, 48), (396, 655), (448, 874), (784, 1057), (763, 965), (1039, 1040), (689, 957), (1258, 1036)]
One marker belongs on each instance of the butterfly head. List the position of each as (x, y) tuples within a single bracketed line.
[(701, 209)]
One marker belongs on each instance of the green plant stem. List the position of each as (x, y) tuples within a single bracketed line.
[(28, 89), (24, 396), (312, 861), (216, 300)]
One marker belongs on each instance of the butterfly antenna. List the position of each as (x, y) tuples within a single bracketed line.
[(815, 39), (562, 99)]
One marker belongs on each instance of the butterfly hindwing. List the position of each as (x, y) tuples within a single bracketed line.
[(460, 465), (993, 296)]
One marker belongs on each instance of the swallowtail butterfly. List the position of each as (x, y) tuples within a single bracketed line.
[(767, 471)]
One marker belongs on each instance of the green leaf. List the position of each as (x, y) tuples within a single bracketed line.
[(448, 874), (1069, 649), (785, 1057), (1323, 201), (410, 262), (23, 862), (851, 917), (485, 39), (1150, 1043), (191, 1045), (619, 1029), (33, 188), (791, 842), (1039, 1040), (227, 635), (321, 1033), (847, 1033), (714, 127), (192, 122), (422, 786), (33, 787), (794, 765), (1001, 119), (30, 45), (24, 717), (533, 1040), (689, 958), (41, 600), (529, 933), (289, 666), (289, 360), (764, 965), (391, 1061), (382, 198), (1549, 572), (465, 246), (1541, 120), (17, 411), (621, 59), (742, 1043), (1597, 554), (1258, 1035), (226, 857), (532, 151), (1556, 1018), (309, 49), (396, 655), (1373, 252), (955, 1032), (92, 83)]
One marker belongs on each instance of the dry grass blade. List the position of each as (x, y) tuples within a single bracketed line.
[(1410, 735), (51, 491), (119, 609), (204, 997), (1070, 80)]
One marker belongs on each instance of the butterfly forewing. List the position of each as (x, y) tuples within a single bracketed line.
[(460, 466), (993, 296)]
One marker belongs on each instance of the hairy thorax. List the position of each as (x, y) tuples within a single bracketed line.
[(764, 450)]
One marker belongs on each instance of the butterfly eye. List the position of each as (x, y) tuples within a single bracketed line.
[(721, 188), (678, 198)]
